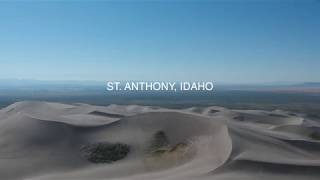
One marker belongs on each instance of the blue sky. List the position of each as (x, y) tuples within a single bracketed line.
[(224, 41)]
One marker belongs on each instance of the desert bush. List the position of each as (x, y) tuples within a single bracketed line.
[(105, 152)]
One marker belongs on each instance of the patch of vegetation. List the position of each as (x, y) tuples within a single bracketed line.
[(160, 145), (315, 135), (105, 152), (178, 147), (163, 154), (212, 111), (159, 152), (159, 140)]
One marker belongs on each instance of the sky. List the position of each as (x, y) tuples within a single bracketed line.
[(233, 41)]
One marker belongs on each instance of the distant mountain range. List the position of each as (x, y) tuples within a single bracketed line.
[(309, 84), (72, 85)]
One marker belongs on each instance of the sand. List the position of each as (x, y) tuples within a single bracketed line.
[(44, 141)]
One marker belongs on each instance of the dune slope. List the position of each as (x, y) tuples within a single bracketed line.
[(46, 141)]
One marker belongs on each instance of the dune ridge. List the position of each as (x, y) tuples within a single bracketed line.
[(43, 141)]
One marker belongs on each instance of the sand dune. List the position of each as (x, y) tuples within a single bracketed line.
[(50, 141)]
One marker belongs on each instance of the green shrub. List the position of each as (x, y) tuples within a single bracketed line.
[(105, 152)]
